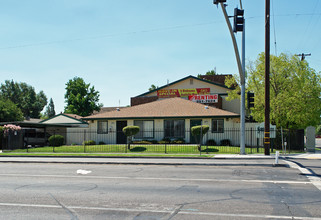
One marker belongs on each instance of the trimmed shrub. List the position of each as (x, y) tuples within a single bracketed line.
[(130, 130), (142, 142), (211, 142), (101, 143), (196, 130), (178, 141), (56, 140), (165, 141), (90, 142), (226, 142)]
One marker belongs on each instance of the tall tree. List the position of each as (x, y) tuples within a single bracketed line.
[(9, 111), (295, 89), (25, 97), (208, 73), (152, 87), (81, 99), (50, 109)]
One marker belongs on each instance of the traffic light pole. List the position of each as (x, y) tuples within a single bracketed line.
[(241, 68), (267, 80), (242, 139)]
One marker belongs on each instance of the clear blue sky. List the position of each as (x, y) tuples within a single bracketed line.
[(123, 46)]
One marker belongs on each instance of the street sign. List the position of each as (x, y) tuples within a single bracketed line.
[(260, 131)]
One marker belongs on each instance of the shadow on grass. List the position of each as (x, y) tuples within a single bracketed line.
[(138, 149), (210, 150)]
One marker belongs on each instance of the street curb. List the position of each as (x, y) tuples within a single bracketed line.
[(145, 163), (147, 157)]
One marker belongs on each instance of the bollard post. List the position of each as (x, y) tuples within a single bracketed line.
[(277, 154)]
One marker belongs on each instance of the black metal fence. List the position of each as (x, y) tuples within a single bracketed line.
[(152, 141)]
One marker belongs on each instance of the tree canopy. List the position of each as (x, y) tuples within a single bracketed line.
[(295, 91), (152, 87), (208, 73), (50, 109), (9, 111), (81, 99), (25, 97)]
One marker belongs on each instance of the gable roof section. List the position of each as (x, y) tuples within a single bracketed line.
[(76, 119), (166, 108), (177, 81)]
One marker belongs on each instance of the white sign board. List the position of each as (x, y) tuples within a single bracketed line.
[(204, 98), (260, 131)]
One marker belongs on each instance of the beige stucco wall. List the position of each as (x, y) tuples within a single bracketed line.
[(232, 106), (60, 120), (231, 126)]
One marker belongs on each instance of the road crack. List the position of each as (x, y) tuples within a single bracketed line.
[(69, 211), (176, 211)]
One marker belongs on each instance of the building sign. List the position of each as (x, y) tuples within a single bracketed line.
[(204, 98), (170, 93)]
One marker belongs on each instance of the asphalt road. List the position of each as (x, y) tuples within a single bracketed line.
[(56, 191)]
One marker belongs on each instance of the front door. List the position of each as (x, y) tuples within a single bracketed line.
[(121, 137), (194, 139)]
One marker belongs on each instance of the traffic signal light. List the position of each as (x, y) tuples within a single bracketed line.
[(238, 20), (250, 100), (215, 2)]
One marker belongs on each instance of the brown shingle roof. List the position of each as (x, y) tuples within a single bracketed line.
[(218, 79), (166, 108), (73, 116)]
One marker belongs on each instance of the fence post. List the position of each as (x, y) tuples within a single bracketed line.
[(84, 141), (53, 147), (27, 142), (206, 143), (165, 148), (251, 139)]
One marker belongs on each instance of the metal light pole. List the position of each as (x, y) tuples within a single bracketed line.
[(241, 68), (267, 80)]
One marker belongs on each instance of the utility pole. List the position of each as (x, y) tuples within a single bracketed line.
[(303, 55), (267, 80)]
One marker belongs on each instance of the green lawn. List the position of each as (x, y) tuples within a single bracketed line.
[(157, 149)]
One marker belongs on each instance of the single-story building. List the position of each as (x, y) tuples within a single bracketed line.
[(167, 118), (36, 131)]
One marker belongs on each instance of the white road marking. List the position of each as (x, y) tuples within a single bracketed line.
[(83, 172), (316, 181), (165, 210), (162, 179)]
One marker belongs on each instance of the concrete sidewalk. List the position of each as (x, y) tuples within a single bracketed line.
[(216, 160), (221, 160)]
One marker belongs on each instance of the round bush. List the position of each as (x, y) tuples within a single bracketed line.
[(56, 140), (130, 130), (178, 141), (226, 142), (211, 142), (90, 142)]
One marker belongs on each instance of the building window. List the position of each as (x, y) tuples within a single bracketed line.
[(218, 125), (102, 127), (146, 129), (174, 128)]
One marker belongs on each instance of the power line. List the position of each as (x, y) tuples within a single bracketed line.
[(136, 32), (110, 35), (303, 55)]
